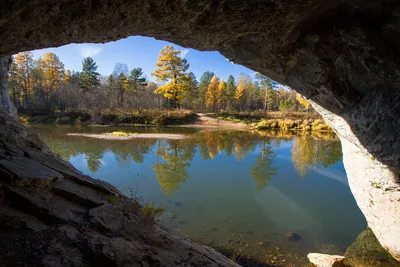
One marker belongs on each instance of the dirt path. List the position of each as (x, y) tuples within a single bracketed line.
[(207, 120)]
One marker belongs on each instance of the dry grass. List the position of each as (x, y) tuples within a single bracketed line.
[(151, 212), (298, 125), (120, 134)]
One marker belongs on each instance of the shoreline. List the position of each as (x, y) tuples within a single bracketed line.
[(110, 136)]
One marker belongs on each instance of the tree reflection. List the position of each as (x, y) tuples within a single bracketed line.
[(307, 152), (263, 170), (173, 158), (93, 160)]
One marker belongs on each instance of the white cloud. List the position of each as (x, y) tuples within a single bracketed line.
[(230, 61), (89, 50), (184, 52)]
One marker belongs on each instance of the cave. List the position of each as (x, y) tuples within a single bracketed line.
[(343, 56)]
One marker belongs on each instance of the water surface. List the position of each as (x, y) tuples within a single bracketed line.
[(272, 197)]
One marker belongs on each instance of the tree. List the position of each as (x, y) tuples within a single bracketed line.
[(303, 102), (205, 80), (119, 69), (89, 75), (269, 87), (222, 94), (122, 85), (287, 105), (263, 170), (53, 75), (239, 91), (212, 94), (192, 92), (230, 91), (171, 69), (136, 79), (23, 67)]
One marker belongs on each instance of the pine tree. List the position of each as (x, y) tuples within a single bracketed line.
[(171, 68), (212, 94), (89, 75), (136, 79), (230, 91)]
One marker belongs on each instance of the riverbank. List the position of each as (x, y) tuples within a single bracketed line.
[(156, 117), (292, 121)]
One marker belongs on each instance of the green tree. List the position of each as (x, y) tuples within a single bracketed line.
[(192, 92), (287, 105), (89, 75), (263, 170), (136, 79), (230, 91), (269, 87), (171, 69)]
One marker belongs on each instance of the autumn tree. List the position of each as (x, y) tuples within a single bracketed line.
[(205, 80), (222, 94), (23, 67), (53, 75), (89, 75), (122, 86), (212, 94), (171, 69), (303, 102)]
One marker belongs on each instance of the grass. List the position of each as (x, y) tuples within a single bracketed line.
[(120, 133), (112, 198), (158, 117), (151, 212), (257, 115), (297, 125)]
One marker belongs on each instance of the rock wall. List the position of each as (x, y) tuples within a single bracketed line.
[(374, 186), (342, 55)]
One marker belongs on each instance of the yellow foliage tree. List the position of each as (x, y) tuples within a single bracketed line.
[(53, 71), (171, 69), (67, 76), (303, 101), (239, 91), (221, 93), (23, 66), (212, 94)]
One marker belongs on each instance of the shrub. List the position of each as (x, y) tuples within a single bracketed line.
[(287, 105), (120, 134), (151, 212)]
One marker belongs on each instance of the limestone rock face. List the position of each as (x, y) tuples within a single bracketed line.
[(324, 260), (342, 55), (366, 251)]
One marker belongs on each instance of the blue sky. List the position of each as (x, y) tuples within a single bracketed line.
[(141, 52)]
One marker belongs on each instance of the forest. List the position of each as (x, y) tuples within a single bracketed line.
[(44, 84)]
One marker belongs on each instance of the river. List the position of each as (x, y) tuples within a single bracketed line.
[(267, 197)]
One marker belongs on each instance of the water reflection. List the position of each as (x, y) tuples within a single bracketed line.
[(174, 156), (239, 190)]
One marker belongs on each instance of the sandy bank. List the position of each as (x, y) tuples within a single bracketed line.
[(109, 136)]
